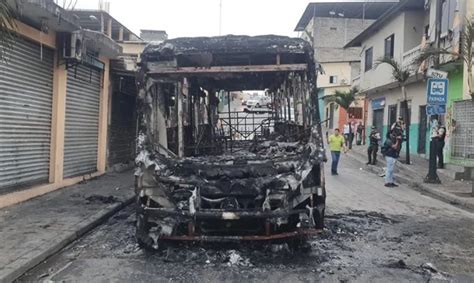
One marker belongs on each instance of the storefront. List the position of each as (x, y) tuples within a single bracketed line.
[(26, 97)]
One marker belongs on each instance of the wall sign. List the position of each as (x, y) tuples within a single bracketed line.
[(378, 103), (437, 91)]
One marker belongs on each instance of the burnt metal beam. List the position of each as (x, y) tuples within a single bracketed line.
[(279, 236), (228, 69)]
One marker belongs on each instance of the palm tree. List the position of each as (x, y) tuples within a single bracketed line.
[(7, 23), (344, 98), (401, 75), (466, 53)]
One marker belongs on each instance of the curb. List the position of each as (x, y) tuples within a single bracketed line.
[(11, 273), (421, 187)]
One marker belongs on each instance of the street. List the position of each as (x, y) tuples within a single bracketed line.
[(373, 234)]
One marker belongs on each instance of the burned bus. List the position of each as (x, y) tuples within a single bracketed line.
[(208, 171)]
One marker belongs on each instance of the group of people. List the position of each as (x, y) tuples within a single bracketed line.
[(351, 131), (390, 149)]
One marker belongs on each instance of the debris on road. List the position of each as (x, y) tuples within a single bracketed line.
[(429, 267), (101, 199)]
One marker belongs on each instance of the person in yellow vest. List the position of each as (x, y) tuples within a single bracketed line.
[(336, 145)]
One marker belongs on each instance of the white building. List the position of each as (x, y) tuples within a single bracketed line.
[(401, 33)]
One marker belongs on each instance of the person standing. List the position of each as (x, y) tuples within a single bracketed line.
[(398, 129), (391, 150), (440, 142), (347, 133), (336, 145), (374, 139), (360, 129), (438, 136), (351, 133)]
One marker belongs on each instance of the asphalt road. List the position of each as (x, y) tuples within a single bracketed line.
[(374, 234)]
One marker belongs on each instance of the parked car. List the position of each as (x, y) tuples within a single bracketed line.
[(259, 101)]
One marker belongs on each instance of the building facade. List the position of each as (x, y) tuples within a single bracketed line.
[(330, 26), (62, 101), (402, 33)]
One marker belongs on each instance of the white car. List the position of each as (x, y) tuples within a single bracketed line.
[(259, 101)]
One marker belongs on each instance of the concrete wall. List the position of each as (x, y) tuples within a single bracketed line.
[(382, 75), (408, 30), (340, 69), (330, 36), (132, 47), (413, 29), (355, 70)]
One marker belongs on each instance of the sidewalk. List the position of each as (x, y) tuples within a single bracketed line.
[(451, 191), (33, 230)]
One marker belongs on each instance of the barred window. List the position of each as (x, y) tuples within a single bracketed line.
[(355, 112)]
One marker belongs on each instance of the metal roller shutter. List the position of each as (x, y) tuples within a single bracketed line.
[(26, 94), (82, 121)]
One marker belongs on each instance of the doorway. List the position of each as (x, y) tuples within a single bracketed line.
[(422, 131), (378, 120), (392, 114)]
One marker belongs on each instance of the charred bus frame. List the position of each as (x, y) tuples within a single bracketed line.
[(189, 184)]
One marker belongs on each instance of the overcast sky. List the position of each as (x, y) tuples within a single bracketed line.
[(201, 17)]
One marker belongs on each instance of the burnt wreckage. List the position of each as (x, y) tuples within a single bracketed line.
[(209, 175)]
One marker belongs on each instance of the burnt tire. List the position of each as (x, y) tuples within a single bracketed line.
[(318, 216), (142, 228)]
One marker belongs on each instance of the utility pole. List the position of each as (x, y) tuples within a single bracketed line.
[(220, 17), (432, 177), (363, 14)]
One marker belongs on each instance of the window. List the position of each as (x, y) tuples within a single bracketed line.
[(333, 79), (369, 54), (389, 45), (392, 114), (355, 112), (448, 10)]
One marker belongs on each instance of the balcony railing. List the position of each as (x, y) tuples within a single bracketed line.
[(409, 58)]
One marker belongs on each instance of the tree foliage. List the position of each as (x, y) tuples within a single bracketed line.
[(344, 98), (7, 23)]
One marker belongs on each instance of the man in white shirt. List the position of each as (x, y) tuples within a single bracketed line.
[(349, 134)]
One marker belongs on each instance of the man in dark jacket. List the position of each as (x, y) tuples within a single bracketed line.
[(390, 150), (398, 129), (374, 139), (439, 139)]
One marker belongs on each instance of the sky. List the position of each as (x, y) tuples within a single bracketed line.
[(201, 17)]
